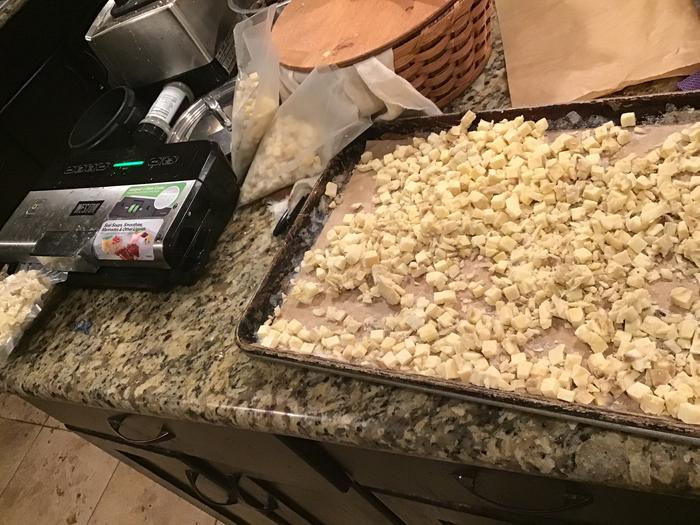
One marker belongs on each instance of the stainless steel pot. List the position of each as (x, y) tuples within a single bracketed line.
[(208, 119)]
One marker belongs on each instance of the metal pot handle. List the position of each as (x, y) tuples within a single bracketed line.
[(219, 113)]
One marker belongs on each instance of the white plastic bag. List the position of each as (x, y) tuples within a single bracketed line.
[(395, 92), (22, 296), (256, 97), (374, 86), (312, 125)]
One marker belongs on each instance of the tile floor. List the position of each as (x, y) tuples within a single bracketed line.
[(49, 476)]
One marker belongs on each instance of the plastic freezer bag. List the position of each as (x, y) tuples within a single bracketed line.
[(22, 297), (312, 125), (374, 86), (256, 97), (395, 92)]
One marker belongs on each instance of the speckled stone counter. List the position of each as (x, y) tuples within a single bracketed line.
[(8, 9), (174, 355)]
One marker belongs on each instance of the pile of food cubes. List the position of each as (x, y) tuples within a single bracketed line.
[(567, 231)]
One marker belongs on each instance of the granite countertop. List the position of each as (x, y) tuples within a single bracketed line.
[(174, 355), (8, 9)]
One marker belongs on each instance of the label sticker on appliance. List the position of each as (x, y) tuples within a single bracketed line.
[(167, 197), (134, 222), (126, 240), (149, 201)]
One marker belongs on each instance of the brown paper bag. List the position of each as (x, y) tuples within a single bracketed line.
[(564, 50)]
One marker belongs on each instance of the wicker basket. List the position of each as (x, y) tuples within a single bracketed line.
[(441, 57), (445, 57)]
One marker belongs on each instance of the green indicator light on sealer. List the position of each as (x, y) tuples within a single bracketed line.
[(127, 164)]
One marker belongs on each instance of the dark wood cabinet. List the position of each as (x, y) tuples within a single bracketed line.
[(440, 487), (235, 497), (262, 455), (202, 486), (418, 513), (239, 475)]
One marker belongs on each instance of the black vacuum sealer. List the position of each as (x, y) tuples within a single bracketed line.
[(128, 218)]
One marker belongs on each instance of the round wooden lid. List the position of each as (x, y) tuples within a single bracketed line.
[(309, 33)]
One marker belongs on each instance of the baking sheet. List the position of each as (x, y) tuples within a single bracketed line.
[(360, 190), (316, 218)]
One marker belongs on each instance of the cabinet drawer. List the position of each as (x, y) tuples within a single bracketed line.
[(235, 498), (519, 495), (332, 508), (416, 513), (272, 459), (311, 507)]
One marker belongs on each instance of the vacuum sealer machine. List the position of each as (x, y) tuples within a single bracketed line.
[(128, 218)]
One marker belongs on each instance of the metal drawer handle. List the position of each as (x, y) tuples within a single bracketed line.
[(115, 422), (268, 506), (572, 498), (230, 488)]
